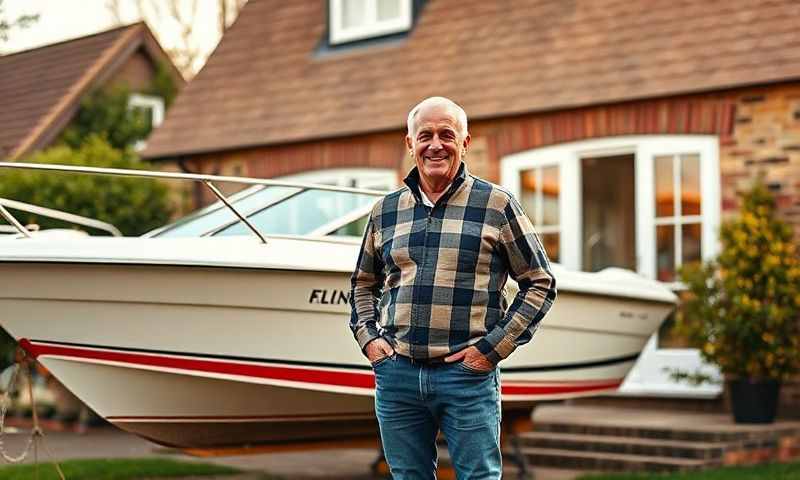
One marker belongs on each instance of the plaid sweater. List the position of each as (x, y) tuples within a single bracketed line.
[(431, 280)]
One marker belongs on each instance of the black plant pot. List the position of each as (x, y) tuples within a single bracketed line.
[(754, 401)]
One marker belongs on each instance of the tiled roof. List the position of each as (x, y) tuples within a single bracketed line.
[(267, 83), (40, 88)]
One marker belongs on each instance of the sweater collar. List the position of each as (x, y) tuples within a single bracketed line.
[(412, 181)]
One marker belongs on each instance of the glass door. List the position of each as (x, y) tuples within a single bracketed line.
[(609, 220)]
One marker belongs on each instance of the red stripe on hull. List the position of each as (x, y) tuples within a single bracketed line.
[(295, 374), (560, 389)]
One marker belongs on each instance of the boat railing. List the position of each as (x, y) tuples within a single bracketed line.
[(206, 179), (58, 215)]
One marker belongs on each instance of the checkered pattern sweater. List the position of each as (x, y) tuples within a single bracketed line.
[(431, 280)]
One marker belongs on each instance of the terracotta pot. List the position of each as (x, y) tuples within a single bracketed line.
[(754, 400)]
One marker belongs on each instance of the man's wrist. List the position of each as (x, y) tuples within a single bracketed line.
[(366, 336)]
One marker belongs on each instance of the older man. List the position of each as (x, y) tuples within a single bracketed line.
[(428, 305)]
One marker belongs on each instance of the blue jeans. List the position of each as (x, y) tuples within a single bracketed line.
[(413, 401)]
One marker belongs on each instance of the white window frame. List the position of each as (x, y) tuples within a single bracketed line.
[(539, 214), (157, 109), (647, 377), (644, 149), (372, 28), (677, 220)]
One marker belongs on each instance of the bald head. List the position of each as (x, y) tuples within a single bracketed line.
[(440, 102)]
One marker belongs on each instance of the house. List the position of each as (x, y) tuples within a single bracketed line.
[(625, 128), (41, 89)]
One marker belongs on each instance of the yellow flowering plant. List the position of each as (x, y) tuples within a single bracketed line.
[(741, 309)]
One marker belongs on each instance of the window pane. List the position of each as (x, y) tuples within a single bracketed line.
[(665, 195), (302, 213), (353, 13), (609, 215), (353, 229), (665, 253), (550, 242), (527, 182), (144, 115), (198, 224), (388, 9), (690, 242), (690, 184), (550, 191)]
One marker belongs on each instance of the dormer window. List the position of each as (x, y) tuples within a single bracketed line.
[(352, 20), (153, 108)]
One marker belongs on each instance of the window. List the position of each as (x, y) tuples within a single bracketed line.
[(630, 202), (644, 203), (217, 215), (301, 214), (277, 210), (152, 106), (678, 220), (539, 188), (351, 20)]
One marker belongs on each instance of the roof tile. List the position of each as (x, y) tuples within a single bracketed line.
[(33, 82), (267, 84)]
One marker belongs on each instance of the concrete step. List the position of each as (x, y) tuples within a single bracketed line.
[(708, 451), (677, 433), (604, 461)]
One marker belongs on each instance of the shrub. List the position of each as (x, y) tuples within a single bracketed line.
[(741, 309), (133, 205)]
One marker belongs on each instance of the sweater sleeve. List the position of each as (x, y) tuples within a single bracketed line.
[(366, 289), (527, 263)]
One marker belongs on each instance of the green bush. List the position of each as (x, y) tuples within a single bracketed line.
[(741, 309), (133, 205), (106, 113)]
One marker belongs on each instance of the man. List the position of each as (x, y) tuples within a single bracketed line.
[(428, 305)]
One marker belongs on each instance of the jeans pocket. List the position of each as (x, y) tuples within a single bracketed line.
[(380, 361), (466, 368)]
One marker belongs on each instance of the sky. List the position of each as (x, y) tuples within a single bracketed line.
[(66, 19)]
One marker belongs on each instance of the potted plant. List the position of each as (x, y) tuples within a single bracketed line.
[(741, 309)]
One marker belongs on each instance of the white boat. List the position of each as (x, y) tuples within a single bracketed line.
[(200, 336)]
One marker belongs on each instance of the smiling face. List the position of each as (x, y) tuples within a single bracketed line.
[(438, 144)]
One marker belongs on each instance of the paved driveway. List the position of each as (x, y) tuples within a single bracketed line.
[(109, 442)]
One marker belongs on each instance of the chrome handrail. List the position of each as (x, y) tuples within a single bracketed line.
[(206, 179), (197, 177), (59, 215)]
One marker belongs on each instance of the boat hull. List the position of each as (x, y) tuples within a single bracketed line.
[(199, 357)]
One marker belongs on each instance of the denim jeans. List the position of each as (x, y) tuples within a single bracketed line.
[(413, 401)]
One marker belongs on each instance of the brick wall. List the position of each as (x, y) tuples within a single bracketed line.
[(766, 140)]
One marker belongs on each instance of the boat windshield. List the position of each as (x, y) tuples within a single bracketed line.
[(274, 211)]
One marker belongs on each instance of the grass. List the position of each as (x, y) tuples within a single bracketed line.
[(121, 469), (772, 471)]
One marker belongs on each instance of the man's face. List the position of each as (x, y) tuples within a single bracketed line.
[(437, 144)]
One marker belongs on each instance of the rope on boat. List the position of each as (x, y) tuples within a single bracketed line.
[(37, 434)]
